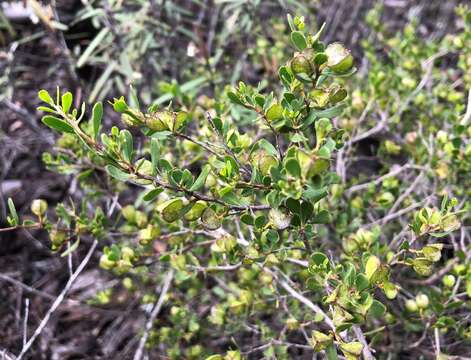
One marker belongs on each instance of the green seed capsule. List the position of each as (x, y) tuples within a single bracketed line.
[(301, 64), (449, 281), (106, 263), (39, 207), (422, 301), (339, 58), (57, 238), (411, 305)]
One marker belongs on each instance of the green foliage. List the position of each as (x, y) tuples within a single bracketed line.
[(251, 188)]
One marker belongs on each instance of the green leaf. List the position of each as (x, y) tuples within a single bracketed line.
[(377, 309), (361, 282), (298, 40), (72, 248), (128, 145), (119, 105), (180, 120), (234, 98), (292, 167), (331, 352), (92, 46), (293, 205), (154, 155), (274, 113), (390, 290), (267, 146), (322, 217), (117, 173), (314, 195), (320, 59), (285, 75), (306, 211), (318, 259), (67, 99), (327, 113), (210, 219), (13, 213), (433, 252), (44, 96), (422, 266), (57, 124), (96, 119), (196, 210), (151, 195), (171, 209), (353, 348), (201, 179), (372, 265)]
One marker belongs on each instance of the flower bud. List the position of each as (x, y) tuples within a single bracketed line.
[(339, 58), (39, 207), (422, 301)]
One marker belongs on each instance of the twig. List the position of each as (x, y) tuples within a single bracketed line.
[(25, 322), (367, 355), (467, 115), (437, 343), (380, 179), (58, 301), (302, 299), (155, 311)]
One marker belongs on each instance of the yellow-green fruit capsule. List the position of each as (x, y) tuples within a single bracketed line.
[(279, 219), (140, 219), (129, 213), (148, 234), (422, 301), (339, 58), (196, 211), (133, 118), (127, 253), (57, 238), (39, 207), (265, 163), (292, 324), (411, 305), (123, 266), (301, 64), (158, 121), (127, 283), (449, 281), (106, 263)]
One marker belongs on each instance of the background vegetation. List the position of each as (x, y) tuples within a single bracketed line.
[(398, 211)]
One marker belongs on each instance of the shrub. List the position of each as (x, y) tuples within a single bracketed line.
[(244, 206)]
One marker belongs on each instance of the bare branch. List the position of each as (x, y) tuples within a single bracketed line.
[(58, 301), (153, 315)]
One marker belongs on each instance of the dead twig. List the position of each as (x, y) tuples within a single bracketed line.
[(153, 315), (58, 301)]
